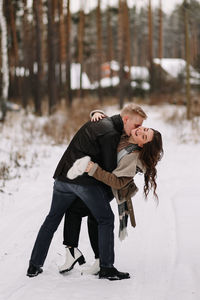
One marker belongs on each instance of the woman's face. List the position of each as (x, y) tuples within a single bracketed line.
[(142, 135)]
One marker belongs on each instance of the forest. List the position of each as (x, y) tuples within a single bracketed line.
[(50, 56), (57, 64)]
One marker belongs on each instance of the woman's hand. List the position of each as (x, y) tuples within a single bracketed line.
[(97, 116), (89, 166)]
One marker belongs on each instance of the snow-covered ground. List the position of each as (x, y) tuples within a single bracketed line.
[(161, 253)]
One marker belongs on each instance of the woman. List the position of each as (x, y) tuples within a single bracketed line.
[(140, 153)]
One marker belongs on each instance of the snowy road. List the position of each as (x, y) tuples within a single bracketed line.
[(161, 253)]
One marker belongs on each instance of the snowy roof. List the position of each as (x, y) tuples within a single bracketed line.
[(175, 66)]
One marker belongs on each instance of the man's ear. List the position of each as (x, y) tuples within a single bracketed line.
[(125, 119)]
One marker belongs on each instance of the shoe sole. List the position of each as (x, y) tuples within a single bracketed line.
[(114, 278), (34, 275)]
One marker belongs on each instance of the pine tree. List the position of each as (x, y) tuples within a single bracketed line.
[(121, 54), (62, 46), (99, 50), (52, 92), (80, 46), (4, 59), (68, 53), (187, 58), (37, 9)]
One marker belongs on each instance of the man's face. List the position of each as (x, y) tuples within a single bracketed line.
[(131, 122)]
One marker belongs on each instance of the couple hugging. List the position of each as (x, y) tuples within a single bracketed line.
[(99, 164)]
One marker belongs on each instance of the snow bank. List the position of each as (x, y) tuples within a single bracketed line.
[(161, 253)]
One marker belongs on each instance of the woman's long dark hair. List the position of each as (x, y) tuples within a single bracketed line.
[(150, 154)]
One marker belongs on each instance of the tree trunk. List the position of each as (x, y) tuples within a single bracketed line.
[(110, 54), (80, 47), (25, 49), (194, 45), (121, 55), (4, 56), (13, 31), (187, 58), (13, 54), (151, 65), (62, 47), (52, 93), (135, 44), (99, 51), (37, 9), (127, 43), (126, 27), (160, 47), (68, 60)]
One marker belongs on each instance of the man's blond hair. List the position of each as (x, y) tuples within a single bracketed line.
[(132, 109)]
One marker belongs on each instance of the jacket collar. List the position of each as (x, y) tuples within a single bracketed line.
[(118, 123)]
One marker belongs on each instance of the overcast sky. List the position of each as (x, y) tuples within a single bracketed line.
[(168, 5)]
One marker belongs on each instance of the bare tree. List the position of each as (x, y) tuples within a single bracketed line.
[(150, 50), (80, 45), (160, 47), (121, 54), (13, 47), (99, 50), (68, 59), (110, 53), (37, 9), (127, 39), (26, 33), (194, 44), (52, 91), (187, 58), (62, 45), (4, 56), (13, 31)]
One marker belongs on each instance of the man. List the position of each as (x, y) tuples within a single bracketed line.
[(99, 141)]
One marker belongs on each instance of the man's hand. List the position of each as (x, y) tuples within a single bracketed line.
[(97, 116)]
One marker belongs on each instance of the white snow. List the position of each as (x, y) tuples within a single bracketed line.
[(176, 67), (141, 73), (75, 77), (161, 253), (106, 82), (114, 65)]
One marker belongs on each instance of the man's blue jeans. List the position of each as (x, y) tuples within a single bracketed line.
[(97, 200)]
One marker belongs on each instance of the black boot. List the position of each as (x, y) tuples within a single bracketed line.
[(112, 274), (33, 271)]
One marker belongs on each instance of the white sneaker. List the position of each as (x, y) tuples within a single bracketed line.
[(94, 269), (72, 257)]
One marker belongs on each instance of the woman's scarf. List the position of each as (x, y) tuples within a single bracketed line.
[(122, 207)]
